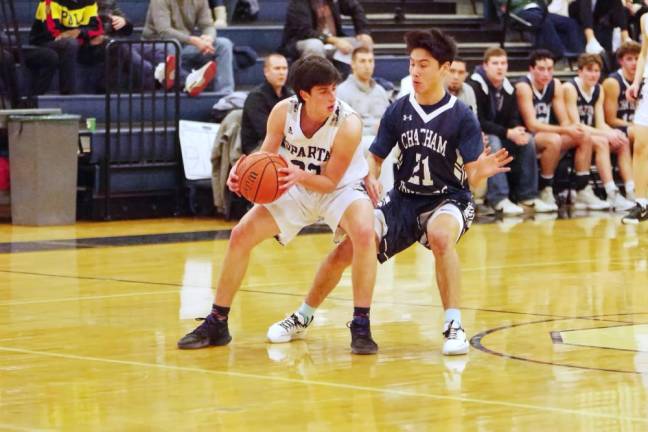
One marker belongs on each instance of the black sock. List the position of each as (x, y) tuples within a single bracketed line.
[(581, 181), (546, 182), (220, 312), (361, 312)]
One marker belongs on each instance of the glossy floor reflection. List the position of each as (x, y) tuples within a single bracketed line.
[(557, 311)]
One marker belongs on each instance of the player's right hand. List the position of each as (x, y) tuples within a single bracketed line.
[(233, 179), (374, 189), (632, 92)]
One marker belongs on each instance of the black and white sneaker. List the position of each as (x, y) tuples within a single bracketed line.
[(637, 214), (455, 342), (290, 328), (212, 332)]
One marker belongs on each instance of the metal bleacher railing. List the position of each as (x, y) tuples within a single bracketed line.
[(138, 153)]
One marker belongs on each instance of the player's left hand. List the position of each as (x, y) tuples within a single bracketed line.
[(118, 22), (495, 163), (374, 189), (290, 176)]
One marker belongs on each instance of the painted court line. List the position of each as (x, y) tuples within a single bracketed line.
[(10, 427), (393, 392)]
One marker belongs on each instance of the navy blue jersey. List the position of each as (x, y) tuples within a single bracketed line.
[(585, 104), (434, 141), (542, 100), (625, 108)]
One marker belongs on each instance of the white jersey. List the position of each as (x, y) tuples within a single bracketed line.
[(312, 154)]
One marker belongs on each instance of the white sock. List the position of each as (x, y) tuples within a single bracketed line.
[(629, 187), (306, 311), (610, 188), (452, 314)]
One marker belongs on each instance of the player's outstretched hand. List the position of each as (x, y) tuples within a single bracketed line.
[(233, 179), (374, 189), (290, 175), (495, 163)]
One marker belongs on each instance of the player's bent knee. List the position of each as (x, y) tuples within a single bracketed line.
[(440, 241), (363, 236), (239, 238)]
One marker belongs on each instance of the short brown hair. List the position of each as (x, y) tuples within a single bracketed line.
[(628, 47), (311, 71), (585, 60), (361, 49), (493, 52)]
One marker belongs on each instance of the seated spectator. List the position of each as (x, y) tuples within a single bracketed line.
[(619, 110), (8, 81), (541, 103), (61, 27), (455, 83), (499, 118), (598, 19), (261, 100), (557, 33), (179, 19), (584, 103), (312, 24), (362, 92)]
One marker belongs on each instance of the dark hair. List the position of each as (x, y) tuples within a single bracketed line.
[(540, 54), (493, 52), (441, 46), (586, 59), (311, 71), (629, 47), (360, 49), (460, 60)]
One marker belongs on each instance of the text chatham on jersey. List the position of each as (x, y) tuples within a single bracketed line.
[(424, 137)]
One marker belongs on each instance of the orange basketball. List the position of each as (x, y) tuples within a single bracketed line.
[(259, 177)]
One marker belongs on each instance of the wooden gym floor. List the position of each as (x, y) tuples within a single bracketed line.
[(557, 313)]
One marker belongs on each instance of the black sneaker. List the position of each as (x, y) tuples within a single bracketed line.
[(635, 215), (210, 332), (361, 341)]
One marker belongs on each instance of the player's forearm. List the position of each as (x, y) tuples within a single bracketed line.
[(318, 183), (375, 165), (617, 122)]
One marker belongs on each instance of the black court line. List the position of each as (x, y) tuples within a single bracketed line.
[(476, 342), (299, 295), (130, 240)]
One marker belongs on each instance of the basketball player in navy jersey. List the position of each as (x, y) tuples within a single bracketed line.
[(320, 137), (440, 145), (584, 102), (541, 104), (639, 90), (619, 110)]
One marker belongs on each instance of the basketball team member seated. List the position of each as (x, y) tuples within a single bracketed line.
[(619, 110), (584, 102), (319, 135), (542, 107), (639, 213), (440, 147)]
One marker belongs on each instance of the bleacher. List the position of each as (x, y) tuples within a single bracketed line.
[(389, 20)]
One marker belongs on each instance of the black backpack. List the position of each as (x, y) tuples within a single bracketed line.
[(246, 11)]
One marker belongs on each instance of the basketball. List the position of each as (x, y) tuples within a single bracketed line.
[(259, 177)]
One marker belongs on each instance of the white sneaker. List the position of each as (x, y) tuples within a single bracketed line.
[(165, 72), (290, 328), (199, 79), (594, 47), (548, 197), (586, 200), (455, 342), (619, 203), (541, 206), (508, 208)]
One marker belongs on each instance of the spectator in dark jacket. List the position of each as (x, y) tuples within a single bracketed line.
[(311, 24), (261, 100), (500, 119)]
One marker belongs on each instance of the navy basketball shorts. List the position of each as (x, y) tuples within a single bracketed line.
[(401, 220)]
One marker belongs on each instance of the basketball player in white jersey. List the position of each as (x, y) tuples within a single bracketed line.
[(640, 156), (319, 135)]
